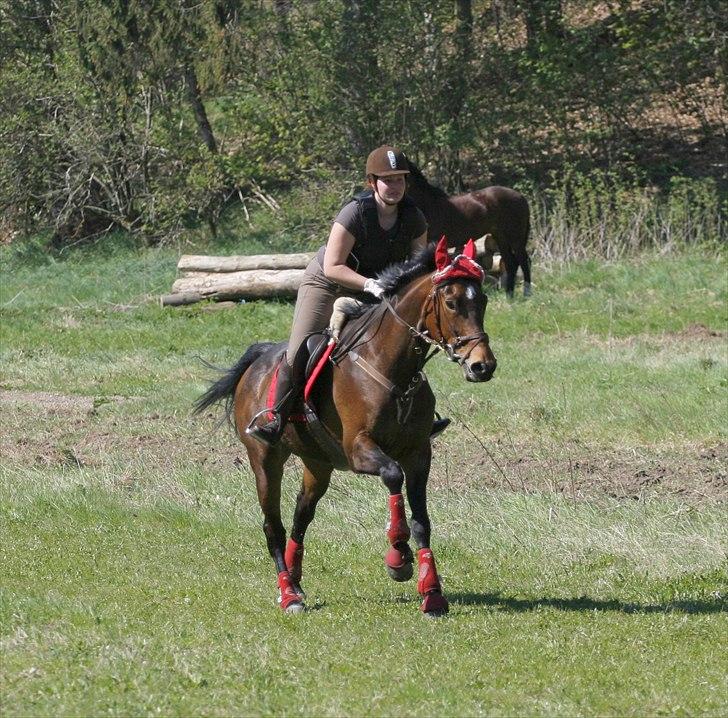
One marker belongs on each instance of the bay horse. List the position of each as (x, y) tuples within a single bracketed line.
[(499, 211), (374, 400)]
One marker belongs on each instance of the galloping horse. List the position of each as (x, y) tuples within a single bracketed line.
[(499, 211), (374, 401)]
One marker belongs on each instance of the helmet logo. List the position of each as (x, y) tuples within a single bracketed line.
[(392, 159)]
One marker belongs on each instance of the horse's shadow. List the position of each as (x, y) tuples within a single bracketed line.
[(584, 603)]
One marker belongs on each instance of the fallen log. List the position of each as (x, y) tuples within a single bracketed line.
[(180, 299), (237, 263), (253, 284), (264, 276)]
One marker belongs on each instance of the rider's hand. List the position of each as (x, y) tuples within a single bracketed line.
[(372, 286)]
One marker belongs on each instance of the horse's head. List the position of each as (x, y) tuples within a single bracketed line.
[(457, 313)]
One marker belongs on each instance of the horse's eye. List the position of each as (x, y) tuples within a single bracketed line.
[(450, 304)]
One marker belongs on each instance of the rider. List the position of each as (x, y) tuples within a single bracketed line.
[(378, 228)]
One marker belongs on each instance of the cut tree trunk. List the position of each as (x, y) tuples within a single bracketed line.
[(237, 263), (241, 285)]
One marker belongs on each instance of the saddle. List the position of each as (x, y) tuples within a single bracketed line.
[(321, 348)]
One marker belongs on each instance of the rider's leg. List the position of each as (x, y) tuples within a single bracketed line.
[(315, 299), (439, 425), (286, 391)]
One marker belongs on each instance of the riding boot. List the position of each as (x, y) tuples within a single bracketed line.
[(439, 425), (286, 389)]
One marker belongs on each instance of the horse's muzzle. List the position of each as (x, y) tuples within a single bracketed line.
[(479, 370)]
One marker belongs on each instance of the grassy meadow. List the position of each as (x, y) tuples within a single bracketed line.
[(578, 505)]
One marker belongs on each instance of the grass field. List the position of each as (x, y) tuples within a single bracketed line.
[(578, 504)]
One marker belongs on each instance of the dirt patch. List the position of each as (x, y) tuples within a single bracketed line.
[(60, 403), (134, 447), (699, 331), (695, 474)]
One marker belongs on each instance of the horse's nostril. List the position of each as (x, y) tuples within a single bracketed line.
[(482, 369)]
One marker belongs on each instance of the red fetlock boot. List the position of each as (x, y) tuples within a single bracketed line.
[(290, 601)]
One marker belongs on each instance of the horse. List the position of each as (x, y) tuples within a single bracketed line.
[(374, 402), (499, 211)]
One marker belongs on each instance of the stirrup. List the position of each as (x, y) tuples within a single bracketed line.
[(269, 433), (439, 425)]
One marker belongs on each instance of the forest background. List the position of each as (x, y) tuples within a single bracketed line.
[(154, 118)]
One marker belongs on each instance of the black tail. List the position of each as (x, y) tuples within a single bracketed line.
[(224, 387)]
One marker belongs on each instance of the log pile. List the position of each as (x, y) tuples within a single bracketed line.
[(260, 276)]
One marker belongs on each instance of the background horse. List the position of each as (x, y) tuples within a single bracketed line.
[(375, 402), (499, 211)]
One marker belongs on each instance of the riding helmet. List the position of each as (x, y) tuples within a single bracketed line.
[(386, 161)]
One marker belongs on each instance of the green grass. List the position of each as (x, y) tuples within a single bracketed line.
[(128, 603), (134, 576)]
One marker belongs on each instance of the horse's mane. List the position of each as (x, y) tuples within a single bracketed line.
[(395, 277), (418, 180)]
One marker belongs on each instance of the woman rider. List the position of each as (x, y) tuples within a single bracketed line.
[(377, 229)]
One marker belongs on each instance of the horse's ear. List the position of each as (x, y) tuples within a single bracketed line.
[(442, 258), (469, 250)]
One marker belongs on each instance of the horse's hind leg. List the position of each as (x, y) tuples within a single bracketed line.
[(267, 464), (316, 477), (508, 280), (428, 584), (525, 263)]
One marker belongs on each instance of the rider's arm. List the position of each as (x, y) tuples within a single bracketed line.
[(338, 249)]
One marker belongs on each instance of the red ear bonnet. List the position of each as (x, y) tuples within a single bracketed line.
[(463, 266), (442, 258)]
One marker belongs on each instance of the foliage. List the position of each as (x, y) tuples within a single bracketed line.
[(153, 116)]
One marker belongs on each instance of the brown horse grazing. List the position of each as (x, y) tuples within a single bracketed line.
[(374, 401), (499, 211)]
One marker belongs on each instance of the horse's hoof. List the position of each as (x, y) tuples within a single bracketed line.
[(295, 607), (434, 605), (291, 604), (402, 573), (399, 562)]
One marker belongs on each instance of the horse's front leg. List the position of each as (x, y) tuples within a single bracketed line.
[(316, 477), (367, 458), (417, 469)]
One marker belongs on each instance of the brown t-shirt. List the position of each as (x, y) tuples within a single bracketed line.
[(371, 254)]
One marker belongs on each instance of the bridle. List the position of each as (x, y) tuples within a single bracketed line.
[(404, 398), (433, 303)]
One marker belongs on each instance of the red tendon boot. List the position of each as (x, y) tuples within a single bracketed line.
[(428, 585), (398, 559), (294, 562)]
